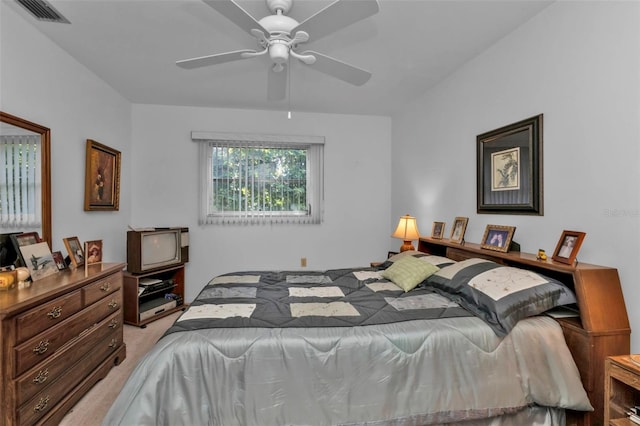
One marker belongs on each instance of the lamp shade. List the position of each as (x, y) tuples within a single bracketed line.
[(407, 230)]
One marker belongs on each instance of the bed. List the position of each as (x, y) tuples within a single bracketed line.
[(376, 346)]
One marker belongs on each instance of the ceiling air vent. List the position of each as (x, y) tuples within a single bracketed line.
[(43, 11)]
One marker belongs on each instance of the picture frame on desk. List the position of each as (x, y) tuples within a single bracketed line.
[(437, 230), (497, 237), (568, 246), (458, 230)]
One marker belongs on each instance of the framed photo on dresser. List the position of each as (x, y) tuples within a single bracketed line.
[(39, 260), (74, 248)]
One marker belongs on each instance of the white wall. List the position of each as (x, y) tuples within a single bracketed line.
[(578, 63), (357, 190), (41, 83)]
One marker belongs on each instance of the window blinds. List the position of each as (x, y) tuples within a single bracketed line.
[(252, 179), (20, 181)]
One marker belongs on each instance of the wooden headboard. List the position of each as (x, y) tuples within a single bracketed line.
[(601, 330)]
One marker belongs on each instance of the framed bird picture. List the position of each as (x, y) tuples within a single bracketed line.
[(39, 260)]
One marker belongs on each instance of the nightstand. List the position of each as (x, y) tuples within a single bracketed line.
[(621, 388)]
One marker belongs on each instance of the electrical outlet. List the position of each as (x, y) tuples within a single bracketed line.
[(303, 262)]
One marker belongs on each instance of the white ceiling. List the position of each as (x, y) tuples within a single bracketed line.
[(409, 46)]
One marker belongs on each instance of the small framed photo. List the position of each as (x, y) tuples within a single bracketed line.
[(21, 240), (437, 230), (58, 258), (39, 260), (93, 249), (74, 248), (568, 246), (497, 237), (459, 228)]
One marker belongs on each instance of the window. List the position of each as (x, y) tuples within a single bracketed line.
[(260, 178), (20, 203)]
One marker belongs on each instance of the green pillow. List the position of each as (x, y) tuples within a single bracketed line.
[(408, 272)]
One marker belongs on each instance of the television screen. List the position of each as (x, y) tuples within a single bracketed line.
[(160, 247)]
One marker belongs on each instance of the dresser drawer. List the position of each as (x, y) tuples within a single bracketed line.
[(46, 399), (101, 288), (49, 314), (40, 347), (48, 372)]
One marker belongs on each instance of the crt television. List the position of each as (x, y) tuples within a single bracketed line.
[(152, 249)]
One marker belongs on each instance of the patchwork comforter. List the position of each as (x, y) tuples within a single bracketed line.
[(344, 347)]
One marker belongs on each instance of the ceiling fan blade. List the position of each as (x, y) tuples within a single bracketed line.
[(336, 16), (339, 69), (277, 84), (219, 58), (236, 14)]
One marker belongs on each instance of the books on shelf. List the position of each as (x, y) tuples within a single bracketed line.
[(563, 312)]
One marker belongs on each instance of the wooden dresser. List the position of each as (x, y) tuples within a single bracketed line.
[(59, 337), (601, 330)]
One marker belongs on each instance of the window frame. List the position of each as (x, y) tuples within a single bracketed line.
[(314, 187)]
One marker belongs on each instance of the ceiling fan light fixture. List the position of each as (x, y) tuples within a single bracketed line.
[(281, 36), (279, 52)]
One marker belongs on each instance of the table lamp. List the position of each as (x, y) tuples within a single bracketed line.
[(407, 231)]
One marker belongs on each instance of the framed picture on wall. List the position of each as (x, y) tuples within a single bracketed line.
[(568, 246), (102, 177), (509, 169)]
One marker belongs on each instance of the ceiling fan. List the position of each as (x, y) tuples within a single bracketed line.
[(280, 36)]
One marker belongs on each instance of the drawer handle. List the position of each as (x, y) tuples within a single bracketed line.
[(113, 343), (42, 404), (41, 347), (113, 304), (55, 312), (41, 377), (113, 323), (105, 287)]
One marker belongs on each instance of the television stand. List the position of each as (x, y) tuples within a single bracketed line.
[(153, 295)]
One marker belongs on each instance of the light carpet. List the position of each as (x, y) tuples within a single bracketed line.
[(92, 408)]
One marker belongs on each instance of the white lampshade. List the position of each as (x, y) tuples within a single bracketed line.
[(407, 231)]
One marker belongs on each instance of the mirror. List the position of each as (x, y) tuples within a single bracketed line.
[(45, 164)]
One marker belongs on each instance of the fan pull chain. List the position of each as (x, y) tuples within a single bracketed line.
[(289, 87)]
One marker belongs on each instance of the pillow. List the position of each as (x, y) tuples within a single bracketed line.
[(408, 272), (438, 261), (499, 295)]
